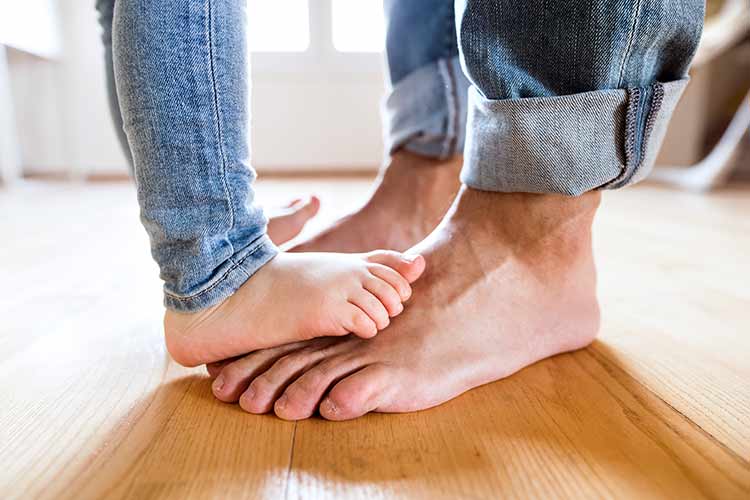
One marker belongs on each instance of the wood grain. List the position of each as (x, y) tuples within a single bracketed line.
[(658, 407)]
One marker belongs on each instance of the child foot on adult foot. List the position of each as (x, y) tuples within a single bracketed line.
[(297, 297)]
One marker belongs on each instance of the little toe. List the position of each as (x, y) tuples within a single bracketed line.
[(371, 305), (407, 265), (268, 386), (358, 394), (302, 397)]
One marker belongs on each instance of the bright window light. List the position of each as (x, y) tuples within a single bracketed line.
[(278, 25), (358, 25)]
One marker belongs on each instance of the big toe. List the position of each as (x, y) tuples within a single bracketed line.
[(358, 394), (306, 209), (288, 224), (410, 266)]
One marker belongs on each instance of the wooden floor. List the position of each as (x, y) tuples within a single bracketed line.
[(658, 407)]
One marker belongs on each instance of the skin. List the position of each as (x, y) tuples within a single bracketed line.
[(288, 221), (510, 280), (333, 294), (411, 196), (367, 294)]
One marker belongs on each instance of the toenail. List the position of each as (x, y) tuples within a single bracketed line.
[(218, 384), (330, 407), (282, 401)]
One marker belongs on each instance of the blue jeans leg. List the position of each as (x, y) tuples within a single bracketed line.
[(571, 95), (425, 109), (181, 72)]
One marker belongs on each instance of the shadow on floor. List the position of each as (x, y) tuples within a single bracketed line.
[(569, 419)]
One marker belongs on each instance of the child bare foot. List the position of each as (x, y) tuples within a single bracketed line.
[(296, 297), (288, 221)]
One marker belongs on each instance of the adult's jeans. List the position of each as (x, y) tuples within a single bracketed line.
[(563, 97), (541, 97)]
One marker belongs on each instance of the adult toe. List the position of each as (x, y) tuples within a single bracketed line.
[(359, 393), (266, 387), (302, 397), (235, 377)]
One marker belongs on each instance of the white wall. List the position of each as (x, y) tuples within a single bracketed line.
[(300, 121)]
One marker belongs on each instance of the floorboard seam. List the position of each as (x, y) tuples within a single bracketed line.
[(291, 460), (143, 452), (610, 365)]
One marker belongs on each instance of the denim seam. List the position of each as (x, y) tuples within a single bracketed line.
[(634, 156), (224, 276), (634, 103), (656, 100), (629, 45), (635, 159), (217, 115)]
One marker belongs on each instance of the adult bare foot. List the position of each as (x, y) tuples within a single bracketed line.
[(411, 196), (297, 297), (510, 280), (287, 222)]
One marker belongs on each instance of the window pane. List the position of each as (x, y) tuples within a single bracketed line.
[(278, 25), (358, 25)]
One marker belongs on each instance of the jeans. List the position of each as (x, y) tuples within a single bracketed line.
[(540, 97), (563, 97), (181, 69)]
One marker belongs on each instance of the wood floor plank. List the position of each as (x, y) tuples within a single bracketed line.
[(204, 449), (657, 408), (564, 428), (675, 290), (92, 404)]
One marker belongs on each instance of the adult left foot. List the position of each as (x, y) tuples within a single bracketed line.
[(510, 280)]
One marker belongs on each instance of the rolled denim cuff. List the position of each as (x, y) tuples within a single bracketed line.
[(566, 144), (227, 279), (425, 112)]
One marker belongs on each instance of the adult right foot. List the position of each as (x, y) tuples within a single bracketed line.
[(411, 196), (510, 280), (297, 297)]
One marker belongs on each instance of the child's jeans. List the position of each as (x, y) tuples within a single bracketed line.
[(541, 97)]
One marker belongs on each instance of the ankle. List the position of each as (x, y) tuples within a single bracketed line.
[(541, 232), (418, 186), (427, 176), (526, 216)]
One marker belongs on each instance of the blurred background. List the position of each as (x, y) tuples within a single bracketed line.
[(320, 56), (317, 85)]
